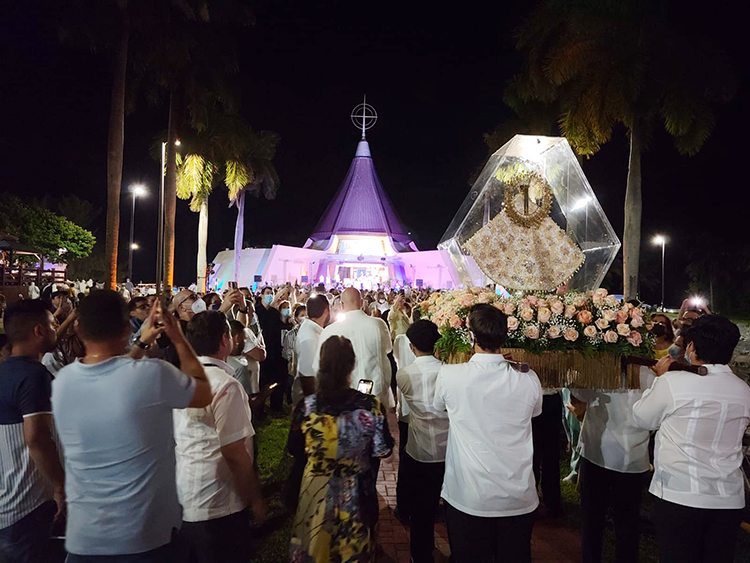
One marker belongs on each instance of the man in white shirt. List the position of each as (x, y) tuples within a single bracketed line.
[(306, 346), (422, 464), (403, 356), (701, 420), (372, 344), (216, 482), (614, 465), (247, 353), (489, 487)]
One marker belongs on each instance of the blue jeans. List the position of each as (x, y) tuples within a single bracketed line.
[(27, 540)]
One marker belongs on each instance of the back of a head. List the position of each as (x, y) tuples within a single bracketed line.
[(351, 299), (317, 305), (103, 316), (423, 335), (21, 317), (205, 331), (236, 327), (714, 338), (489, 326), (337, 361)]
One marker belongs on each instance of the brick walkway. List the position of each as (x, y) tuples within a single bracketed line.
[(551, 542)]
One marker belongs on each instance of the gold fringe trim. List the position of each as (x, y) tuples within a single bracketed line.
[(557, 370)]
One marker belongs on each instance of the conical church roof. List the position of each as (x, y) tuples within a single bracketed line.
[(361, 207)]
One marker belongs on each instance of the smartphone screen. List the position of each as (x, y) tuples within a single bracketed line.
[(365, 386), (273, 385)]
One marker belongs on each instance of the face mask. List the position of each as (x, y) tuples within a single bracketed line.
[(285, 312), (658, 330), (199, 306), (381, 301), (268, 299), (255, 319)]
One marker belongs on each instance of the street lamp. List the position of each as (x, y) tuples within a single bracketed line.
[(662, 240), (137, 191)]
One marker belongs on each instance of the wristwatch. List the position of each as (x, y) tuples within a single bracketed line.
[(141, 345)]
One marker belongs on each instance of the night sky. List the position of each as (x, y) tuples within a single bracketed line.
[(436, 78)]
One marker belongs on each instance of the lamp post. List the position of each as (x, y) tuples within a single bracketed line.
[(662, 240), (136, 192)]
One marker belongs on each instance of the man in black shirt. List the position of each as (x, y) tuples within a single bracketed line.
[(273, 369), (32, 480)]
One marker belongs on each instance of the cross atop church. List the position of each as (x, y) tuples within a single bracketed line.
[(364, 116)]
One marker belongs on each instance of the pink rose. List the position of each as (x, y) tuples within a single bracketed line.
[(623, 329), (621, 316), (636, 312), (512, 323), (609, 315), (484, 298), (585, 317), (499, 306), (637, 322), (468, 301), (527, 314), (509, 308), (610, 336), (580, 300), (532, 331), (455, 321), (601, 324), (570, 311), (590, 331), (544, 315), (557, 306), (599, 296), (612, 301), (635, 338), (554, 332), (532, 299), (571, 335)]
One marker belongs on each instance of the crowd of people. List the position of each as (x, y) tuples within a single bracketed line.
[(131, 417)]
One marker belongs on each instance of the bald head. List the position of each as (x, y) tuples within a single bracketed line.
[(351, 299)]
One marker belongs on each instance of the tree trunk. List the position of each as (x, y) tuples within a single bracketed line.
[(170, 189), (239, 235), (633, 209), (202, 243), (115, 144)]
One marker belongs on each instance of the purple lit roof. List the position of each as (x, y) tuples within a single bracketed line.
[(361, 206)]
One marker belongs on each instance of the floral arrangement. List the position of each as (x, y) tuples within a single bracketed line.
[(589, 323)]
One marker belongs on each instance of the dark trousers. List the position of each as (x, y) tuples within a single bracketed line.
[(603, 488), (219, 540), (546, 429), (696, 535), (422, 485), (274, 370), (474, 539), (27, 540), (401, 504)]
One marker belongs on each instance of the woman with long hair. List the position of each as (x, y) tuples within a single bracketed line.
[(338, 430), (663, 332)]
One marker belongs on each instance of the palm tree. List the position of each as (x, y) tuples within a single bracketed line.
[(254, 173), (610, 62)]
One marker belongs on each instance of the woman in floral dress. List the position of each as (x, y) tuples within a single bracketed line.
[(338, 429)]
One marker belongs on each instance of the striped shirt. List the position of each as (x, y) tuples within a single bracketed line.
[(25, 389)]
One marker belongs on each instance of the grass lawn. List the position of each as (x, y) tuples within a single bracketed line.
[(272, 539)]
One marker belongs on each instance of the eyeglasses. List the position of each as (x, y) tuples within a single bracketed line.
[(144, 306)]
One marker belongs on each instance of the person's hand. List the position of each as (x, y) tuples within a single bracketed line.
[(577, 410), (662, 366), (59, 497), (260, 510), (150, 330), (230, 300), (172, 327)]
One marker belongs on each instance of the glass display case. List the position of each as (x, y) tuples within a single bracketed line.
[(531, 222)]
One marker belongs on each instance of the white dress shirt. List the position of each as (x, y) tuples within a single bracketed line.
[(610, 438), (372, 344), (488, 463), (306, 347), (253, 341), (428, 428), (701, 421), (205, 484), (404, 356)]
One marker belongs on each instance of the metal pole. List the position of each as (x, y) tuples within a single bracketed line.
[(160, 223), (130, 248), (663, 244)]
